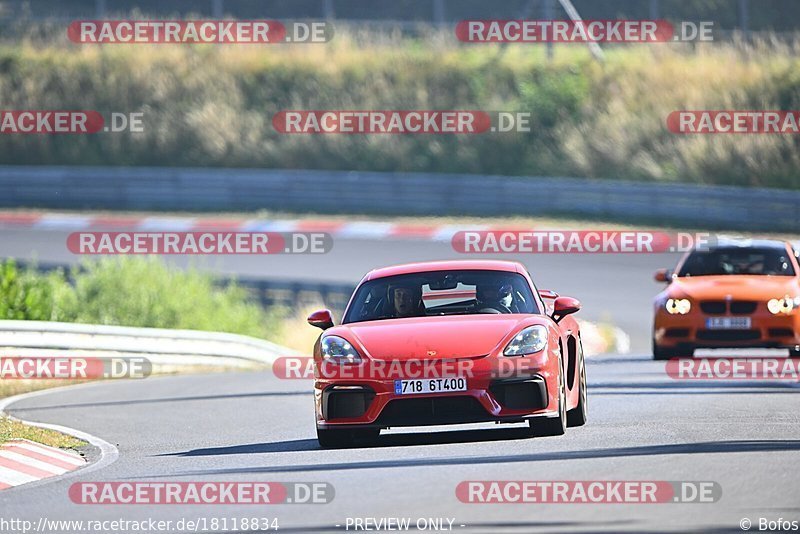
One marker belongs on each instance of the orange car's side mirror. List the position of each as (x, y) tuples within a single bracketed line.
[(663, 275)]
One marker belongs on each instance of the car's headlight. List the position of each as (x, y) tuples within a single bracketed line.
[(784, 305), (336, 349), (530, 340), (678, 306)]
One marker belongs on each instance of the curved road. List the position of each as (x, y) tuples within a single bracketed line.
[(253, 427)]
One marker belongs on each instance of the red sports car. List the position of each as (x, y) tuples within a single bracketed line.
[(448, 342)]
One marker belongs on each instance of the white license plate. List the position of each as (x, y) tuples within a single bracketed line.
[(429, 385), (727, 323)]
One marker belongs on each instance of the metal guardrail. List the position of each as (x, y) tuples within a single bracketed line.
[(205, 189), (161, 346)]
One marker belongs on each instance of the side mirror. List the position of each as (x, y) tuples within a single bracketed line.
[(663, 275), (321, 319), (564, 306)]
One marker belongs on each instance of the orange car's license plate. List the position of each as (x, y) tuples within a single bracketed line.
[(727, 323)]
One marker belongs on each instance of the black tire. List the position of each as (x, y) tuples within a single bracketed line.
[(343, 438), (794, 353), (552, 426), (577, 415)]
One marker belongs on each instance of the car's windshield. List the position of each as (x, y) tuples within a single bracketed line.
[(441, 293), (738, 260)]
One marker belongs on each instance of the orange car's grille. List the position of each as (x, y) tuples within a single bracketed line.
[(713, 307), (720, 307), (743, 307)]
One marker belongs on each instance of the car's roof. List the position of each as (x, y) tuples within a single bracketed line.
[(736, 242), (450, 265)]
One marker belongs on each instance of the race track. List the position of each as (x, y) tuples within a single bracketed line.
[(253, 427)]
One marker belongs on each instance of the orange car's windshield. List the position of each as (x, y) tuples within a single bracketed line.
[(738, 260)]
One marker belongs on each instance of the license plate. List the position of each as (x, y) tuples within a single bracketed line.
[(429, 385), (727, 323)]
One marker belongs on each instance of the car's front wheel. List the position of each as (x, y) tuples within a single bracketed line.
[(794, 353), (338, 438)]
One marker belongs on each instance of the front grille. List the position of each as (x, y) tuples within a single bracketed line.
[(713, 307), (743, 307), (433, 411), (677, 332), (729, 335), (781, 332)]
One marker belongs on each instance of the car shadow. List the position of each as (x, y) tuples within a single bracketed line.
[(385, 440), (710, 447)]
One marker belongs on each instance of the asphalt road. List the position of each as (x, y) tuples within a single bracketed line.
[(253, 427)]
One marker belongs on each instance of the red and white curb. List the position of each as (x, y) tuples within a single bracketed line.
[(23, 461), (42, 468), (337, 228)]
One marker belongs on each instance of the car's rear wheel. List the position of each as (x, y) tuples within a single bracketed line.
[(794, 353), (553, 426), (337, 438), (577, 415)]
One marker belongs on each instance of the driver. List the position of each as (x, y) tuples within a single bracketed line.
[(406, 300), (495, 295)]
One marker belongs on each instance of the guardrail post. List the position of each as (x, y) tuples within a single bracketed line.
[(744, 16), (438, 12), (217, 8), (327, 9), (547, 14), (655, 12)]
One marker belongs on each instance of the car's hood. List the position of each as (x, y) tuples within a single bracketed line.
[(737, 287), (433, 338)]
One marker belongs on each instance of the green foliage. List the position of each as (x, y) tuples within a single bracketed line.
[(134, 292)]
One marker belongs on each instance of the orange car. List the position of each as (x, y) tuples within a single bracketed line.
[(729, 295)]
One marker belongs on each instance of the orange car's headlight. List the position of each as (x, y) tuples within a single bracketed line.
[(783, 305), (678, 306)]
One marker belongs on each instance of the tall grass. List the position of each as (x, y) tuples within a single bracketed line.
[(212, 106)]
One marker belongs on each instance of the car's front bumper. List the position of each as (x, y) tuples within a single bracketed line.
[(690, 331), (366, 402)]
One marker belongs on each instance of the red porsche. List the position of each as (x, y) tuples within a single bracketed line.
[(449, 342)]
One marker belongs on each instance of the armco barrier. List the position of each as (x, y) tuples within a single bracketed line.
[(161, 346), (189, 189)]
